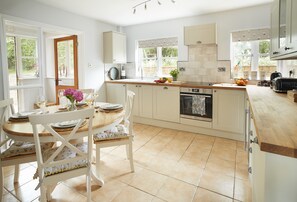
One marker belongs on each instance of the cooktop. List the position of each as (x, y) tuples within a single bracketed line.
[(199, 83)]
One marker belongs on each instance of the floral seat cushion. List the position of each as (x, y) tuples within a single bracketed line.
[(119, 131), (22, 148), (66, 153)]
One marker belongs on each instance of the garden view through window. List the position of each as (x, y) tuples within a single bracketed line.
[(251, 59)]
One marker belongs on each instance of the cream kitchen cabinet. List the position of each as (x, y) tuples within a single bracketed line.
[(114, 47), (229, 110), (166, 103), (284, 29), (143, 100), (200, 34), (116, 93), (274, 176)]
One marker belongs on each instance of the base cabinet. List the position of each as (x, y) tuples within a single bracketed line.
[(143, 100), (166, 103), (228, 110), (116, 93)]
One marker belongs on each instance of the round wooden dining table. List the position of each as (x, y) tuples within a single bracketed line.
[(102, 120)]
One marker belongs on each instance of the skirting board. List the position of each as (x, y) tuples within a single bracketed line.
[(189, 128)]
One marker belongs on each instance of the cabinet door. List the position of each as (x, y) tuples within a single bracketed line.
[(200, 34), (146, 101), (291, 26), (119, 48), (166, 103), (134, 88), (116, 93), (114, 47), (228, 110), (274, 50)]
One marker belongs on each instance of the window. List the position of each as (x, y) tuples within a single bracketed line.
[(251, 55), (158, 57), (22, 57)]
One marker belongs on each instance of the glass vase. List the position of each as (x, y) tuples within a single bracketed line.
[(72, 106)]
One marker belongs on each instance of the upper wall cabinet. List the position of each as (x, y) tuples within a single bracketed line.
[(200, 34), (114, 47), (284, 29)]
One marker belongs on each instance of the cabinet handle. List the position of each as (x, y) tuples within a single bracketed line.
[(255, 140), (250, 150), (165, 88), (215, 91), (274, 53), (250, 170), (199, 42), (124, 85), (139, 86), (288, 48)]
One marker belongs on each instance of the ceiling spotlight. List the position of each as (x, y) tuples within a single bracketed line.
[(145, 7), (134, 11), (172, 1), (159, 2), (144, 2)]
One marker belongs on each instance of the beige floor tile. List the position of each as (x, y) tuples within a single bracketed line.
[(108, 191), (142, 158), (195, 160), (205, 138), (77, 184), (200, 145), (27, 191), (241, 157), (242, 190), (162, 165), (9, 170), (148, 181), (130, 194), (221, 166), (219, 183), (223, 154), (175, 190), (156, 199), (187, 173), (8, 197), (222, 145), (64, 193), (242, 171), (26, 175), (203, 195)]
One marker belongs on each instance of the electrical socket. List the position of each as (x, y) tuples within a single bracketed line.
[(182, 69), (221, 69)]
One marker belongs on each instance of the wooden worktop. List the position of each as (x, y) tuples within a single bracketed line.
[(275, 119), (177, 84)]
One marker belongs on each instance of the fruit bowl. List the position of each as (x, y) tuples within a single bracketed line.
[(160, 81), (241, 82)]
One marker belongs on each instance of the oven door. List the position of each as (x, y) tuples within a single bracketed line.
[(187, 110)]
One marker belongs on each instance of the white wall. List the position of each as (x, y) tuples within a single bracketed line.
[(92, 37), (241, 19)]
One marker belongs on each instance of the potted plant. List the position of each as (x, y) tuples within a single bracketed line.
[(174, 73)]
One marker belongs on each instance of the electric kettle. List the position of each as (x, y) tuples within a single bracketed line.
[(275, 75)]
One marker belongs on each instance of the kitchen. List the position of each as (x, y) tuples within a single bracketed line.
[(94, 75)]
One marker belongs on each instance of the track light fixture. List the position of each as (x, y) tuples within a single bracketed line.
[(145, 4)]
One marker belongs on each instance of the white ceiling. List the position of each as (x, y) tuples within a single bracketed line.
[(120, 12)]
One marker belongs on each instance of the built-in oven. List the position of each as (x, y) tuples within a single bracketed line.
[(196, 103)]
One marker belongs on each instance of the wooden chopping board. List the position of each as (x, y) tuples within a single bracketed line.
[(292, 95)]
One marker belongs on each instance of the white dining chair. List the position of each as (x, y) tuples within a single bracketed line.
[(71, 157), (121, 134), (13, 153), (87, 92)]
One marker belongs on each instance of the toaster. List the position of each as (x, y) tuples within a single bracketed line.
[(282, 84)]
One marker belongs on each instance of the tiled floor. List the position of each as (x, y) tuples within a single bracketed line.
[(169, 166)]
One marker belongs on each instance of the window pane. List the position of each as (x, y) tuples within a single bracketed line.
[(65, 59), (149, 62), (28, 47), (169, 59), (11, 59), (29, 67), (264, 47)]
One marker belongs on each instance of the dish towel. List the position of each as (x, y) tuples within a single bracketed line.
[(198, 104)]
